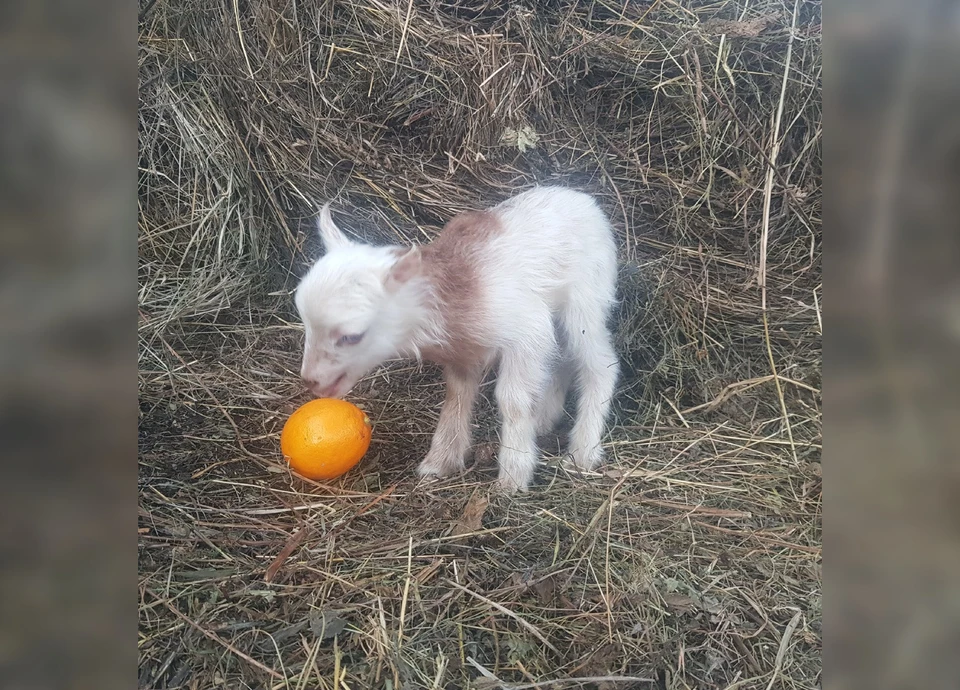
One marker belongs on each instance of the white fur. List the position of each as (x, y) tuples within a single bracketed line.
[(547, 283)]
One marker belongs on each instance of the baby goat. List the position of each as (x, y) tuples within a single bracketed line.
[(529, 284)]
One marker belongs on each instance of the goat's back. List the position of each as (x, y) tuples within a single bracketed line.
[(551, 240)]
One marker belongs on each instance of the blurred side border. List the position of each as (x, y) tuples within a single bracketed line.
[(67, 349), (892, 489), (892, 311)]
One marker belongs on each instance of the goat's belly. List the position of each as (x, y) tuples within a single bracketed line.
[(461, 353)]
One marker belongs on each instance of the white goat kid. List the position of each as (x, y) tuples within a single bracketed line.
[(529, 284)]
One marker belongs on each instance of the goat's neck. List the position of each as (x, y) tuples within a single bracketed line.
[(419, 308)]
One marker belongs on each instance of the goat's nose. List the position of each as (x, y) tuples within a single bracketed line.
[(309, 382)]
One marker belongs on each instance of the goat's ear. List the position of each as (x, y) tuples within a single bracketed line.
[(408, 266), (333, 238)]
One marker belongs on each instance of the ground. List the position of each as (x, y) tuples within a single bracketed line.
[(691, 559)]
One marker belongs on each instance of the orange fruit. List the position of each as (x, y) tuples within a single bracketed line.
[(325, 437)]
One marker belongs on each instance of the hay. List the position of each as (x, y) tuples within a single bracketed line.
[(687, 560)]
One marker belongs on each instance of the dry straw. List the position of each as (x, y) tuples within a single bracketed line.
[(692, 559)]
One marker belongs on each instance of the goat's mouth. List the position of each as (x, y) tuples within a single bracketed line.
[(331, 391)]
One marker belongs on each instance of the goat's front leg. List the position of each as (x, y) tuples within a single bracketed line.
[(451, 440)]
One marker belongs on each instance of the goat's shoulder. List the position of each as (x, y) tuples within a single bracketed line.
[(469, 229), (453, 255)]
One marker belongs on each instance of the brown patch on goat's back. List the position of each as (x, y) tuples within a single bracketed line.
[(474, 227), (452, 262)]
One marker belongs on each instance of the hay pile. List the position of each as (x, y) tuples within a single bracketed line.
[(692, 559)]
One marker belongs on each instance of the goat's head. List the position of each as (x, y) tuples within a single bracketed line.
[(356, 307)]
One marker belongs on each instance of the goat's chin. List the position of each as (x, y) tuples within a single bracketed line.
[(340, 389), (340, 392)]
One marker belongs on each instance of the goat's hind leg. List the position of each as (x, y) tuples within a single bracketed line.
[(597, 370), (520, 384), (550, 407)]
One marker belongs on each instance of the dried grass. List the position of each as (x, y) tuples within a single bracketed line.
[(693, 558)]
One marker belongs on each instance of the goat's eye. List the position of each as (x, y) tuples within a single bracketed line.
[(351, 339)]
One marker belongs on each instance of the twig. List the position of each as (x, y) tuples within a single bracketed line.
[(761, 537), (741, 387), (243, 47), (219, 640), (580, 680), (774, 153), (699, 510), (406, 591), (765, 229), (285, 553), (534, 630), (784, 643), (217, 404), (403, 34)]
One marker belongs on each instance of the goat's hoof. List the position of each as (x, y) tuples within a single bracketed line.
[(428, 478), (584, 462), (434, 469), (511, 485), (509, 488)]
